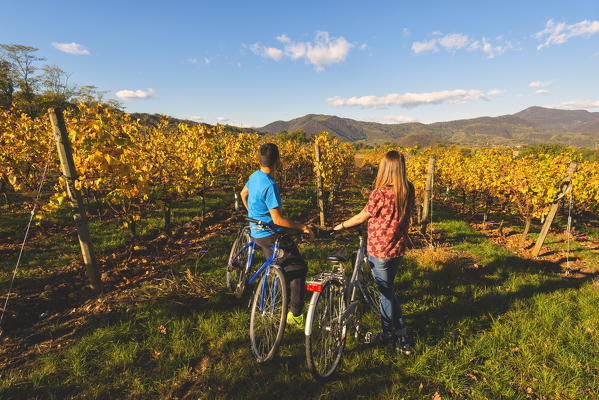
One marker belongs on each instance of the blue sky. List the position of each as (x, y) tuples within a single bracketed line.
[(251, 63)]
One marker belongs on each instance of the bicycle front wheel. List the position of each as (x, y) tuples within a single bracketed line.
[(239, 258), (269, 315), (326, 338), (369, 288)]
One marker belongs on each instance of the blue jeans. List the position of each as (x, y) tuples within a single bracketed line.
[(384, 271)]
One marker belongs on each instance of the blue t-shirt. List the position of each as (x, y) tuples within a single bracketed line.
[(263, 195)]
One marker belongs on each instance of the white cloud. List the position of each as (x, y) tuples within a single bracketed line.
[(535, 84), (580, 104), (492, 51), (495, 92), (474, 45), (454, 41), (405, 32), (559, 33), (222, 119), (135, 94), (420, 47), (458, 41), (71, 48), (267, 52), (539, 85), (295, 50), (325, 50), (395, 119), (205, 60), (363, 46), (408, 100), (283, 38), (274, 53), (197, 118)]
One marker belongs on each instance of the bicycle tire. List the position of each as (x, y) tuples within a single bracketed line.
[(326, 340), (269, 315), (369, 288), (236, 266)]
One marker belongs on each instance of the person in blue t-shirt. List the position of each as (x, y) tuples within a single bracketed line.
[(262, 198)]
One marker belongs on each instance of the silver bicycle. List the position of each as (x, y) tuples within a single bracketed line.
[(335, 305)]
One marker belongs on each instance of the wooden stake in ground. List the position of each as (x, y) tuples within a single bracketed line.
[(236, 196), (319, 198), (428, 194), (65, 153), (565, 186)]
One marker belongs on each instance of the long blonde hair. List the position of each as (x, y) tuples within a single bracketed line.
[(392, 172)]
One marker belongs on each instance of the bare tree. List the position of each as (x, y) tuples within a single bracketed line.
[(55, 82), (90, 93), (23, 60)]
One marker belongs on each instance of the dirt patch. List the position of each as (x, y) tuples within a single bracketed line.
[(570, 265)]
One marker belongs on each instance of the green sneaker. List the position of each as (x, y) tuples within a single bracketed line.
[(297, 322)]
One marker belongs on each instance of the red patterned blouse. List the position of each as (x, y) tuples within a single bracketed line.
[(387, 236)]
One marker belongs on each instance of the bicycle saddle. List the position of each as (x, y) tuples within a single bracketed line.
[(338, 257)]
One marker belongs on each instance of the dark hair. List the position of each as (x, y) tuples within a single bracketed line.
[(268, 154)]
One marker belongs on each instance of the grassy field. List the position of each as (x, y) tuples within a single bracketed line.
[(486, 323)]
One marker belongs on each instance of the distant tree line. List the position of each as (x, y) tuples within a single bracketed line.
[(31, 87), (302, 137), (296, 136)]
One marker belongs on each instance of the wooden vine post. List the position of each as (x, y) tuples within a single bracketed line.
[(65, 153), (319, 198), (236, 196), (565, 186), (426, 209)]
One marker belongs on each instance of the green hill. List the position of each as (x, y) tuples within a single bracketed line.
[(531, 126)]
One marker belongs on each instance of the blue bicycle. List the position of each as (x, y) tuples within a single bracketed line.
[(269, 305)]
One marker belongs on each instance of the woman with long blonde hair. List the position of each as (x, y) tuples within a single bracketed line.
[(388, 213)]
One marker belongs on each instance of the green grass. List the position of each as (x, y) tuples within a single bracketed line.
[(507, 328)]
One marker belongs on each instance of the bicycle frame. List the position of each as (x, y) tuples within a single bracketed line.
[(355, 279), (349, 292), (250, 258), (264, 268)]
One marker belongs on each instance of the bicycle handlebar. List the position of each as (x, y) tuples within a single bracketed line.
[(274, 227), (263, 224), (333, 232)]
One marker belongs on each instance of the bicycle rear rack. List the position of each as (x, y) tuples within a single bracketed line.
[(314, 284)]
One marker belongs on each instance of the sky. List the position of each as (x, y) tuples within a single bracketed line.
[(252, 63)]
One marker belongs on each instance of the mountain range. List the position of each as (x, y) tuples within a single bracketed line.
[(533, 125)]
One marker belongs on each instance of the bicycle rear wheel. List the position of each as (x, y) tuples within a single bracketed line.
[(326, 340), (369, 288), (239, 258), (269, 315)]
